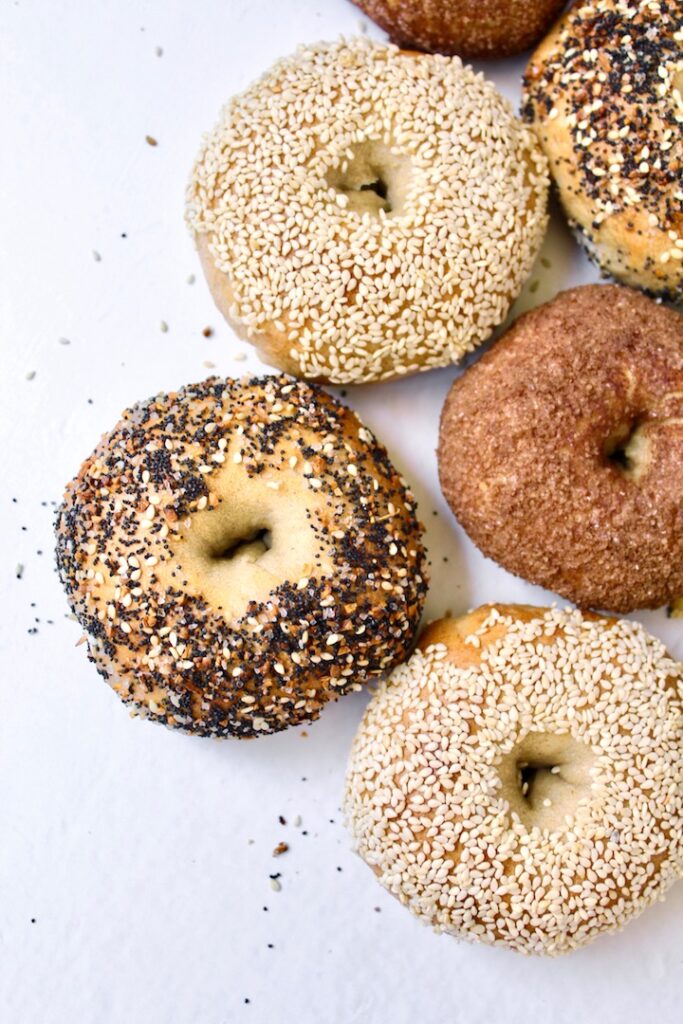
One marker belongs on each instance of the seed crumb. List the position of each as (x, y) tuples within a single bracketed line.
[(280, 849), (150, 140)]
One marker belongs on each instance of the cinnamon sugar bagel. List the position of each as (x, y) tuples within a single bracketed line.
[(561, 451), (604, 92), (471, 28), (519, 781), (363, 213), (238, 553)]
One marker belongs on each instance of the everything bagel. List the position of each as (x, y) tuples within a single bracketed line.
[(238, 553)]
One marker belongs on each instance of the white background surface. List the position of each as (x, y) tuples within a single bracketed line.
[(129, 845)]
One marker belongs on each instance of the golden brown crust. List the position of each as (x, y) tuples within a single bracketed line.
[(535, 458), (603, 91), (238, 554), (471, 28), (271, 344), (453, 631)]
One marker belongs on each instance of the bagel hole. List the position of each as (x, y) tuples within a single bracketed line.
[(253, 545), (379, 187), (544, 777), (372, 177), (528, 774), (677, 88), (625, 449)]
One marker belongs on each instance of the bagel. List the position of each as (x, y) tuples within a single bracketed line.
[(519, 781), (471, 28), (239, 553), (362, 213), (561, 450), (604, 92)]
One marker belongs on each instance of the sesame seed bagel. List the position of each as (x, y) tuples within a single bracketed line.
[(604, 92), (561, 451), (363, 213), (519, 781), (471, 28), (238, 553)]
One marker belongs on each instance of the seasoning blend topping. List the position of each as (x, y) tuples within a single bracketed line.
[(239, 553), (605, 93)]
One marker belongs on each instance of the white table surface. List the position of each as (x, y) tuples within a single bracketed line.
[(134, 861)]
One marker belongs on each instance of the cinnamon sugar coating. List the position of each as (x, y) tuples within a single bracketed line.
[(561, 450), (471, 28)]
